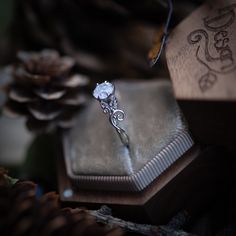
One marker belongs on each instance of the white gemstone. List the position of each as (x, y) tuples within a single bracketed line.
[(103, 90)]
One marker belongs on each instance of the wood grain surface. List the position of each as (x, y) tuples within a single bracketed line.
[(201, 53)]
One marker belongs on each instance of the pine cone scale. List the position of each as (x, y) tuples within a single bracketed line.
[(23, 76), (20, 95), (46, 63), (49, 94), (73, 81), (44, 112), (75, 99)]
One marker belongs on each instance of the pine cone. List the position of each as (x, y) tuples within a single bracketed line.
[(22, 212), (46, 90)]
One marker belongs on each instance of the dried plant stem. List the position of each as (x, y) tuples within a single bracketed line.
[(172, 229)]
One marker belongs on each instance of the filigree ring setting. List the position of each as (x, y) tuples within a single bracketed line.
[(105, 94)]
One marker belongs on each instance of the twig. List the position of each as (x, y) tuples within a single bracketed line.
[(179, 220), (104, 216)]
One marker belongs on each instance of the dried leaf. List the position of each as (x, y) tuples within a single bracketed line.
[(155, 51)]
